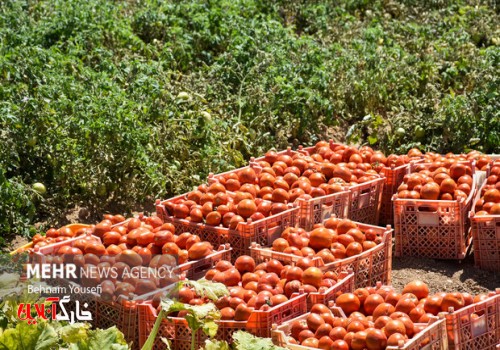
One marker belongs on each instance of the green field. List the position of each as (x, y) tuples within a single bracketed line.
[(111, 104)]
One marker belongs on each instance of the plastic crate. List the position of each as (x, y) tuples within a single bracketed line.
[(73, 227), (345, 284), (263, 231), (369, 267), (432, 337), (316, 210), (176, 330), (38, 255), (123, 314), (393, 178), (365, 200), (433, 228), (476, 326), (485, 238)]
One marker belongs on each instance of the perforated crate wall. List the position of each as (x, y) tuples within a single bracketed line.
[(476, 326), (365, 200), (176, 330), (369, 267), (432, 229), (485, 238), (316, 210), (173, 329), (264, 231), (393, 178), (486, 241)]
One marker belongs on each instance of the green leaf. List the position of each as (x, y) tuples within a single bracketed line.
[(110, 338), (213, 344), (210, 328), (74, 333), (47, 339), (247, 341), (372, 140), (39, 337), (205, 288)]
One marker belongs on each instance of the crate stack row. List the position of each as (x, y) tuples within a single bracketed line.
[(269, 210)]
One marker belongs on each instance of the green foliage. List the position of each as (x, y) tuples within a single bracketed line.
[(45, 335), (242, 341), (16, 206), (207, 289), (110, 104)]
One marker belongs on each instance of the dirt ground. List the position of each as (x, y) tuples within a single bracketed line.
[(444, 275)]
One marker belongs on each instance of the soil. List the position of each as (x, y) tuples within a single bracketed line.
[(444, 275)]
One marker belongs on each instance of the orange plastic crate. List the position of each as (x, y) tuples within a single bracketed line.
[(476, 326), (316, 210), (365, 199), (393, 178), (485, 238), (432, 337), (39, 255), (123, 313), (263, 231), (369, 267), (176, 330), (436, 229)]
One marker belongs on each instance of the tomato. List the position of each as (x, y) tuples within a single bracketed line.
[(321, 238), (242, 312), (348, 302), (394, 326), (130, 258), (454, 300), (39, 188), (418, 288), (376, 339), (227, 313), (371, 302)]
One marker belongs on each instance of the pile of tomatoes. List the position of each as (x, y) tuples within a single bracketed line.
[(339, 154), (374, 317), (129, 248), (334, 239), (489, 202), (265, 188), (449, 180)]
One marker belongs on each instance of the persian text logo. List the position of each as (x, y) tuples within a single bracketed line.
[(32, 312)]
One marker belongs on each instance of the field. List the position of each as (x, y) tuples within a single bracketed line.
[(108, 105), (111, 104)]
